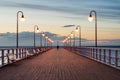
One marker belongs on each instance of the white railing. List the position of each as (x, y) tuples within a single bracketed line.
[(11, 55), (107, 56)]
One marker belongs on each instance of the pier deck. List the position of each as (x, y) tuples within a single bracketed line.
[(58, 65)]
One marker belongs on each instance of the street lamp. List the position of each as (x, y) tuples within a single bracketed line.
[(22, 18), (34, 33), (50, 42), (78, 28), (40, 39), (69, 41), (43, 35), (46, 41), (90, 18), (73, 34)]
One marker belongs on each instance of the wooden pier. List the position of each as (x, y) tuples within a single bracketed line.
[(58, 65)]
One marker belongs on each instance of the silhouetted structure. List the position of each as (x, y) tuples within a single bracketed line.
[(57, 47)]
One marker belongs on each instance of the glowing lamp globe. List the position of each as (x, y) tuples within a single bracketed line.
[(77, 29), (22, 18), (90, 18)]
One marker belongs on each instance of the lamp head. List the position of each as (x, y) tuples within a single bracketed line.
[(46, 37), (90, 18), (22, 18), (71, 34), (37, 29), (43, 34), (68, 37), (76, 29)]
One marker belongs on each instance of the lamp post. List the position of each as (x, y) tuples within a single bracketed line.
[(68, 41), (43, 35), (34, 33), (57, 43), (73, 34), (22, 17), (46, 40), (41, 39), (90, 19), (69, 38), (79, 28)]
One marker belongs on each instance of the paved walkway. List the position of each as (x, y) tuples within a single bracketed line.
[(58, 65)]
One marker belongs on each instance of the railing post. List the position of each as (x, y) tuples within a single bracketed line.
[(116, 58), (7, 55), (93, 53), (104, 55), (16, 53), (100, 54), (13, 51), (97, 54), (2, 57), (90, 52), (109, 56), (25, 52), (20, 53)]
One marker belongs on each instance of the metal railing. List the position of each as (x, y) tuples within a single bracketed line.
[(19, 54), (107, 56)]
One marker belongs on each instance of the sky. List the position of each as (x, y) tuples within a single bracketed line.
[(53, 16)]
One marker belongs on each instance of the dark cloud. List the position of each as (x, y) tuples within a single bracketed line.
[(68, 25)]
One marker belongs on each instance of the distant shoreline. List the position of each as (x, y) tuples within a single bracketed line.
[(105, 46)]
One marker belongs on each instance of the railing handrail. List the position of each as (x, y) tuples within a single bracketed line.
[(100, 48)]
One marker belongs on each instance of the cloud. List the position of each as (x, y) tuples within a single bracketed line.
[(114, 40), (68, 25), (109, 9), (53, 6), (25, 38), (40, 7)]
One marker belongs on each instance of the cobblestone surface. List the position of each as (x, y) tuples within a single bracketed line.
[(58, 65)]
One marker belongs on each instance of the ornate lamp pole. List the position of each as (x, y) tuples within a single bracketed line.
[(22, 18), (79, 28), (90, 19), (34, 33)]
